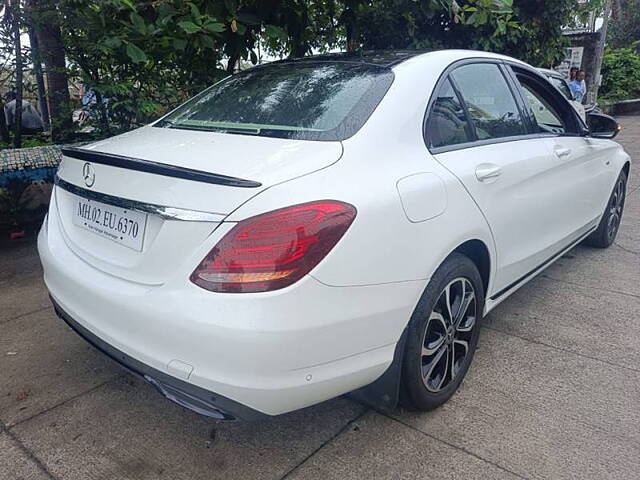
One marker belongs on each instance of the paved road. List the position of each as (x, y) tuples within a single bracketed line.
[(554, 393)]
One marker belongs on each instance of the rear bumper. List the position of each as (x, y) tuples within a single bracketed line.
[(262, 354), (183, 393)]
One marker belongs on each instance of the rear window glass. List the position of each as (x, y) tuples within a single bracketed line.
[(312, 101), (447, 123)]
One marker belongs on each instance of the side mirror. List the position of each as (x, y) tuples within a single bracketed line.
[(602, 126)]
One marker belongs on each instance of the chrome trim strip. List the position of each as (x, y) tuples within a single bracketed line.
[(528, 276), (156, 168), (169, 213)]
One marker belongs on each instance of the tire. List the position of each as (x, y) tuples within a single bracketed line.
[(425, 388), (607, 230)]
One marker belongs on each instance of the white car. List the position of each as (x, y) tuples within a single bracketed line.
[(312, 227)]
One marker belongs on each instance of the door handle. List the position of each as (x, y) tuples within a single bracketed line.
[(562, 152), (487, 171)]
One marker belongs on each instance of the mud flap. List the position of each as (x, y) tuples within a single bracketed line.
[(384, 393)]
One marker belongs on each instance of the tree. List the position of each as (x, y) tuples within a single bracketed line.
[(7, 64), (45, 19), (624, 27), (136, 58), (620, 75), (37, 72), (14, 18), (527, 29), (141, 57), (4, 131)]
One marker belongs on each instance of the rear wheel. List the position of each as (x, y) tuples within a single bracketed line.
[(443, 334), (609, 225)]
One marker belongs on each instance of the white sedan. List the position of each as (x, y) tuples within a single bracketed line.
[(313, 227)]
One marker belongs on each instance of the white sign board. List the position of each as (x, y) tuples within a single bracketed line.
[(572, 58)]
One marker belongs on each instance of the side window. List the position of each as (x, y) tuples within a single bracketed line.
[(491, 105), (545, 105), (447, 124)]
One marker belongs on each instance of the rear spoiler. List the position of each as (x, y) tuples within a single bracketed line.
[(156, 168)]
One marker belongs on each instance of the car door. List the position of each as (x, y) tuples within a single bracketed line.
[(582, 169), (511, 172)]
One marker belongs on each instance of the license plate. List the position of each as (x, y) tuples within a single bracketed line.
[(125, 227)]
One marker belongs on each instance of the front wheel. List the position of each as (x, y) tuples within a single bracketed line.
[(605, 234), (442, 334)]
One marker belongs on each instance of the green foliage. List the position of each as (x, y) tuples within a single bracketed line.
[(142, 56), (624, 30), (620, 75), (29, 141), (432, 24), (526, 29), (145, 56), (135, 54)]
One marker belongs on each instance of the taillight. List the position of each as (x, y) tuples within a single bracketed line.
[(275, 249)]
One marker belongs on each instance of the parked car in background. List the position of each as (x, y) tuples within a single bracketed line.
[(311, 227), (561, 83)]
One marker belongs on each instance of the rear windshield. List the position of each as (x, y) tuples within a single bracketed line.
[(309, 101)]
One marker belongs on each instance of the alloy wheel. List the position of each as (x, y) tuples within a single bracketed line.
[(615, 208), (447, 337)]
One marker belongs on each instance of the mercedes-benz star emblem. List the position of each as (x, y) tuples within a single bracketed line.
[(88, 174)]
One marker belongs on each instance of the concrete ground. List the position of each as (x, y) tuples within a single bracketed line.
[(554, 392)]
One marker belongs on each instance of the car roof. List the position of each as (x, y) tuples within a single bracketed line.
[(393, 58), (550, 73), (381, 58)]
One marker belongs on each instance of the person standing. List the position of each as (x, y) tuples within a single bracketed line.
[(583, 82), (572, 73), (578, 86)]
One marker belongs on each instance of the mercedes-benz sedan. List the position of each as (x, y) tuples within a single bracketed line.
[(313, 227)]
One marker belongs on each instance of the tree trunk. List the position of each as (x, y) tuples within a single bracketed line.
[(102, 111), (4, 130), (618, 7), (231, 64), (17, 119), (351, 23), (46, 23), (297, 48), (37, 72)]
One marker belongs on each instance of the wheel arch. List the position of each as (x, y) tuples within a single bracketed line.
[(478, 253), (626, 168)]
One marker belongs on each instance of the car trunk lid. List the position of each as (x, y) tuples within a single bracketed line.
[(175, 185)]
